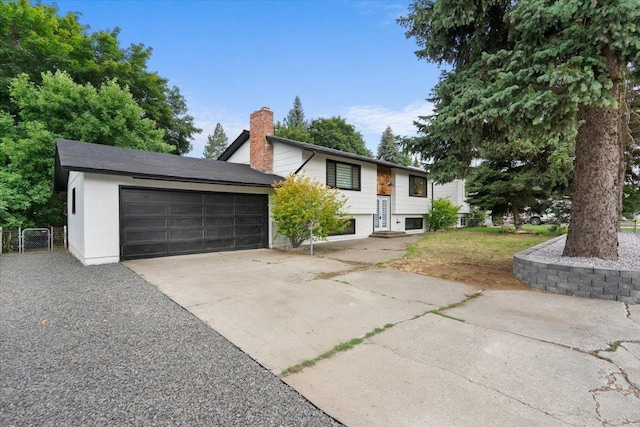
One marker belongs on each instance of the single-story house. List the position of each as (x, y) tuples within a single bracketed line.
[(125, 203)]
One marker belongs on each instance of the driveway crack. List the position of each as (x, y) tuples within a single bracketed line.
[(472, 381)]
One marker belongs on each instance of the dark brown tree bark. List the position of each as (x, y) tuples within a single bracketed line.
[(594, 211)]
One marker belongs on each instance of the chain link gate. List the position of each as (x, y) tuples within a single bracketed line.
[(36, 239)]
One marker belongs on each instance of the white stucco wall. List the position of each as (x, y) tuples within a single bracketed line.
[(94, 231), (75, 221)]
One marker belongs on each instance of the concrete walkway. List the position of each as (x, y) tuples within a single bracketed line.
[(500, 358)]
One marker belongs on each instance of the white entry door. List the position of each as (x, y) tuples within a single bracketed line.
[(381, 218)]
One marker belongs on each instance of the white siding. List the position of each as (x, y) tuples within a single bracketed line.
[(455, 191), (401, 201), (286, 159), (358, 202), (75, 221), (94, 232), (242, 154)]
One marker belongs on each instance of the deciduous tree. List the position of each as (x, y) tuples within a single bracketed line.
[(60, 108), (336, 133), (35, 39)]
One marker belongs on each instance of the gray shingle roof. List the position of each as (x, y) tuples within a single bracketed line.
[(343, 154), (244, 137), (84, 157)]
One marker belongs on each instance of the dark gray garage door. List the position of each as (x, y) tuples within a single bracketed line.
[(164, 222)]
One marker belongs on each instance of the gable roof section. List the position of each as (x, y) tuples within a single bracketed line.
[(244, 137), (104, 159)]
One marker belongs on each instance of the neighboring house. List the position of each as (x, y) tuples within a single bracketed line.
[(455, 191), (125, 204), (381, 196)]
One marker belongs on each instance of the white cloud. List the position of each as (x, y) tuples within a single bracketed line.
[(372, 120)]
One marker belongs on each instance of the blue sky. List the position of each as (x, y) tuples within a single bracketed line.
[(229, 58)]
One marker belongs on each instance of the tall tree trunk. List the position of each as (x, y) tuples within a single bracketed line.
[(516, 217), (594, 210)]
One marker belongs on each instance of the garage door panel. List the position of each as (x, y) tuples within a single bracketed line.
[(186, 222), (218, 232), (177, 235), (165, 222), (186, 209), (220, 244), (251, 209), (226, 221), (147, 250), (146, 236), (219, 199), (179, 197), (145, 196), (145, 210), (211, 210), (186, 246), (132, 223), (249, 199), (249, 220)]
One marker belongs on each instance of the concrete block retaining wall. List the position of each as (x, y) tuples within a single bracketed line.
[(587, 282)]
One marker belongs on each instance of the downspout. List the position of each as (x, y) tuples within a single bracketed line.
[(313, 153)]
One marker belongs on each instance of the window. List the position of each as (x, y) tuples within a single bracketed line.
[(73, 201), (413, 224), (349, 229), (417, 186), (463, 221), (343, 175)]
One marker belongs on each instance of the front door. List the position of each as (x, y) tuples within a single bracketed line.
[(381, 218)]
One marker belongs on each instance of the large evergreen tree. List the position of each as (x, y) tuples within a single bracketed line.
[(216, 143), (35, 39), (545, 72), (295, 117), (388, 148), (294, 126)]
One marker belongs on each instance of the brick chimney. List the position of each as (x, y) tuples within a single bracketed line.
[(261, 151)]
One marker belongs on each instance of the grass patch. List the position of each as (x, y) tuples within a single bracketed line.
[(440, 313), (338, 348), (613, 346), (481, 256)]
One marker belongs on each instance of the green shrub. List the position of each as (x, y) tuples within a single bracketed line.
[(299, 201), (444, 214), (477, 217)]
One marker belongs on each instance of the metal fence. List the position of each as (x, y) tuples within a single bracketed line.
[(37, 239)]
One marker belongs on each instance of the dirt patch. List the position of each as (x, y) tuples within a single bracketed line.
[(494, 274)]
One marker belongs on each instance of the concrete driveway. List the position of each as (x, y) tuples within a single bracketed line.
[(437, 353)]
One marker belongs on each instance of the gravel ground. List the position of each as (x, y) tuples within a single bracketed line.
[(628, 254), (100, 346)]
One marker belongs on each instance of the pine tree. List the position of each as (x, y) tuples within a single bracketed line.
[(216, 144), (543, 74), (387, 149), (295, 118)]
